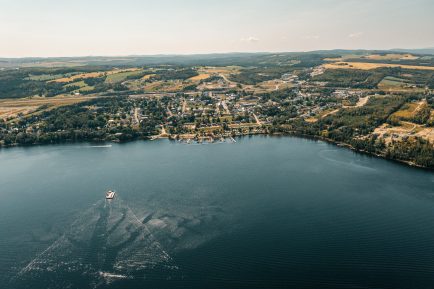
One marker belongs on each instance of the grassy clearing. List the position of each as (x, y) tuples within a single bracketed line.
[(78, 76), (227, 118), (80, 84), (148, 76), (199, 77), (408, 111), (92, 75), (344, 57), (85, 88), (121, 76), (391, 56), (369, 66), (47, 77), (165, 86), (393, 84), (311, 120), (221, 70)]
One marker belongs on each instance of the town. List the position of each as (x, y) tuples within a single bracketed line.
[(330, 97)]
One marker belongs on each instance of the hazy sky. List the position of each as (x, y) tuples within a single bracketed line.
[(126, 27)]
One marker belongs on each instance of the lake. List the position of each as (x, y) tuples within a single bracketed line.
[(264, 212)]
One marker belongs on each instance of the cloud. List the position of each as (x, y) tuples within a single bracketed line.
[(249, 39), (355, 35)]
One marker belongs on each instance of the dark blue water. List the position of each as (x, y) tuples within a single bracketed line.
[(264, 212)]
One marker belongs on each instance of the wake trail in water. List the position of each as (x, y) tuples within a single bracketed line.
[(31, 264), (352, 164), (104, 244), (141, 224)]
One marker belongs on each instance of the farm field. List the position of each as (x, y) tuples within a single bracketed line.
[(93, 74), (79, 76), (393, 84), (379, 57), (81, 84), (11, 108), (199, 77), (121, 76), (391, 56), (369, 66), (48, 77)]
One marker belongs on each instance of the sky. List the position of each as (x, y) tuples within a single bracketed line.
[(43, 28)]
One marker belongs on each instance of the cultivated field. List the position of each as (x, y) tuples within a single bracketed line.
[(393, 84), (12, 108), (121, 76), (369, 66), (391, 56), (78, 76), (199, 77), (93, 75)]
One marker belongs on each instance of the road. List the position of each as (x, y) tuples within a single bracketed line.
[(257, 119), (184, 106), (136, 116)]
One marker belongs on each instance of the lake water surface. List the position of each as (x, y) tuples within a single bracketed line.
[(265, 212)]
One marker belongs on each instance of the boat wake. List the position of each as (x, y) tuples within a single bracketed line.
[(327, 154), (107, 243)]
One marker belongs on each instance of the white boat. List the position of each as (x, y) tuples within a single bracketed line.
[(110, 195)]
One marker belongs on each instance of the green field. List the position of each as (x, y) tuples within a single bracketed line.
[(121, 76), (83, 86), (80, 84), (47, 77), (393, 82)]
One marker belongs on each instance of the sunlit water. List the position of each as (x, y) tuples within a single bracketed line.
[(263, 212)]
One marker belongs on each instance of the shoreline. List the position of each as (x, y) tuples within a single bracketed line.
[(285, 133), (350, 147)]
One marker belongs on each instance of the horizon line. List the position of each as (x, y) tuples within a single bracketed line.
[(213, 53)]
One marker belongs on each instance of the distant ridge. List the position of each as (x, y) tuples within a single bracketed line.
[(219, 59), (416, 51)]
